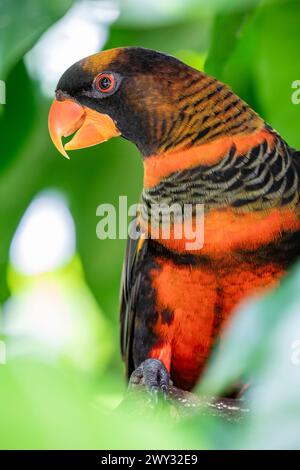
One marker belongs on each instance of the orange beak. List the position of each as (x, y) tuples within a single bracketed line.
[(67, 117)]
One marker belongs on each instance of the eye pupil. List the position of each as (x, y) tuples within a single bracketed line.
[(105, 83)]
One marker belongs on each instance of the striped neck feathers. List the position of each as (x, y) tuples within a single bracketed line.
[(204, 110)]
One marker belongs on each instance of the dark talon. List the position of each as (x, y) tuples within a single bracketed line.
[(164, 390), (154, 375)]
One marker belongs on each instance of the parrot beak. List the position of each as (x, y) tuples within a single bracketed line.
[(67, 117)]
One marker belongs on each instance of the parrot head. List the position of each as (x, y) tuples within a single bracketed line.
[(132, 92)]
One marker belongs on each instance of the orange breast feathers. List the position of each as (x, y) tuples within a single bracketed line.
[(193, 304), (227, 230)]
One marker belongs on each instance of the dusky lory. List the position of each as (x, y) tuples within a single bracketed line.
[(200, 144)]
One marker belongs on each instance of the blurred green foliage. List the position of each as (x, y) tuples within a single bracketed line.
[(252, 46), (22, 23)]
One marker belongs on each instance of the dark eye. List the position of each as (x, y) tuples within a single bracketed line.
[(105, 82)]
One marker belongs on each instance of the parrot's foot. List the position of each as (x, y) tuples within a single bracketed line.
[(153, 374)]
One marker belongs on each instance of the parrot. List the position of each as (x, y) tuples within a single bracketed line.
[(200, 144)]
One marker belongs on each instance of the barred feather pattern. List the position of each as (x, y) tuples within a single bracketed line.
[(262, 179), (200, 111)]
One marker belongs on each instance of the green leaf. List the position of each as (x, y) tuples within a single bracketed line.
[(277, 67), (262, 347), (43, 407), (193, 35), (259, 63), (19, 182), (21, 24), (227, 30), (16, 120), (151, 13)]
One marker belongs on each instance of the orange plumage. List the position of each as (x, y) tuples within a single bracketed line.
[(200, 144)]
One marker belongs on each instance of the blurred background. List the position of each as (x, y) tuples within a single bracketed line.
[(60, 284)]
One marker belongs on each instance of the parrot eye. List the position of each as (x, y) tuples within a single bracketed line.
[(105, 82)]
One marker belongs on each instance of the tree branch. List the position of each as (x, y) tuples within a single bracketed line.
[(184, 403)]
